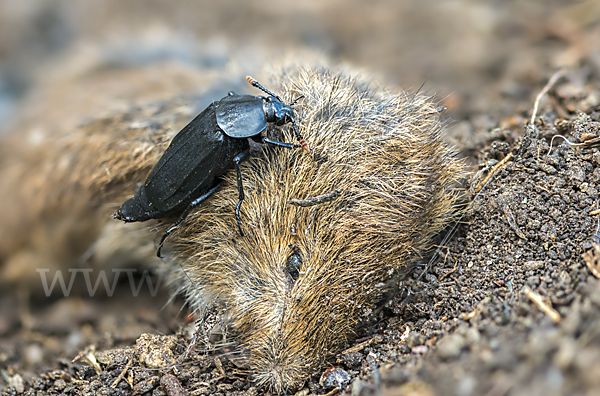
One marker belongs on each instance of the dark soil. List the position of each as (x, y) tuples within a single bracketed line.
[(467, 326)]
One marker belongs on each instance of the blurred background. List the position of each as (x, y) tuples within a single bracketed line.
[(479, 55), (64, 63)]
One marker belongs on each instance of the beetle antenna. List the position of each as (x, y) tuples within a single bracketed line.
[(295, 100), (256, 84)]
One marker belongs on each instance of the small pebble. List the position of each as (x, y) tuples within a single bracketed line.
[(334, 377), (450, 346), (172, 385), (420, 349)]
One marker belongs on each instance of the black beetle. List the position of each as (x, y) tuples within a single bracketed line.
[(189, 170)]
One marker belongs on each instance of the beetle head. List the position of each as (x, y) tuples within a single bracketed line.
[(278, 112)]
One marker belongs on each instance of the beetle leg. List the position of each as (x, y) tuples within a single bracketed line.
[(293, 102), (236, 160), (281, 144), (185, 213), (301, 140)]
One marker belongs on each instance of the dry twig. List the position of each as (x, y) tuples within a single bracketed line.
[(492, 172), (543, 92), (592, 259), (120, 377), (330, 196), (540, 302)]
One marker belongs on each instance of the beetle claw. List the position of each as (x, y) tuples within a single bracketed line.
[(304, 145)]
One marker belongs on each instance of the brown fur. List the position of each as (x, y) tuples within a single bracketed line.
[(59, 194)]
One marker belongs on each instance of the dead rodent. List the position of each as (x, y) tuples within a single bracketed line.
[(298, 286)]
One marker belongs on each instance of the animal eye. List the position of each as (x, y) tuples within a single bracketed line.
[(293, 264)]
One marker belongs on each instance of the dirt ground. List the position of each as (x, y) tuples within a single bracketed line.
[(511, 306)]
